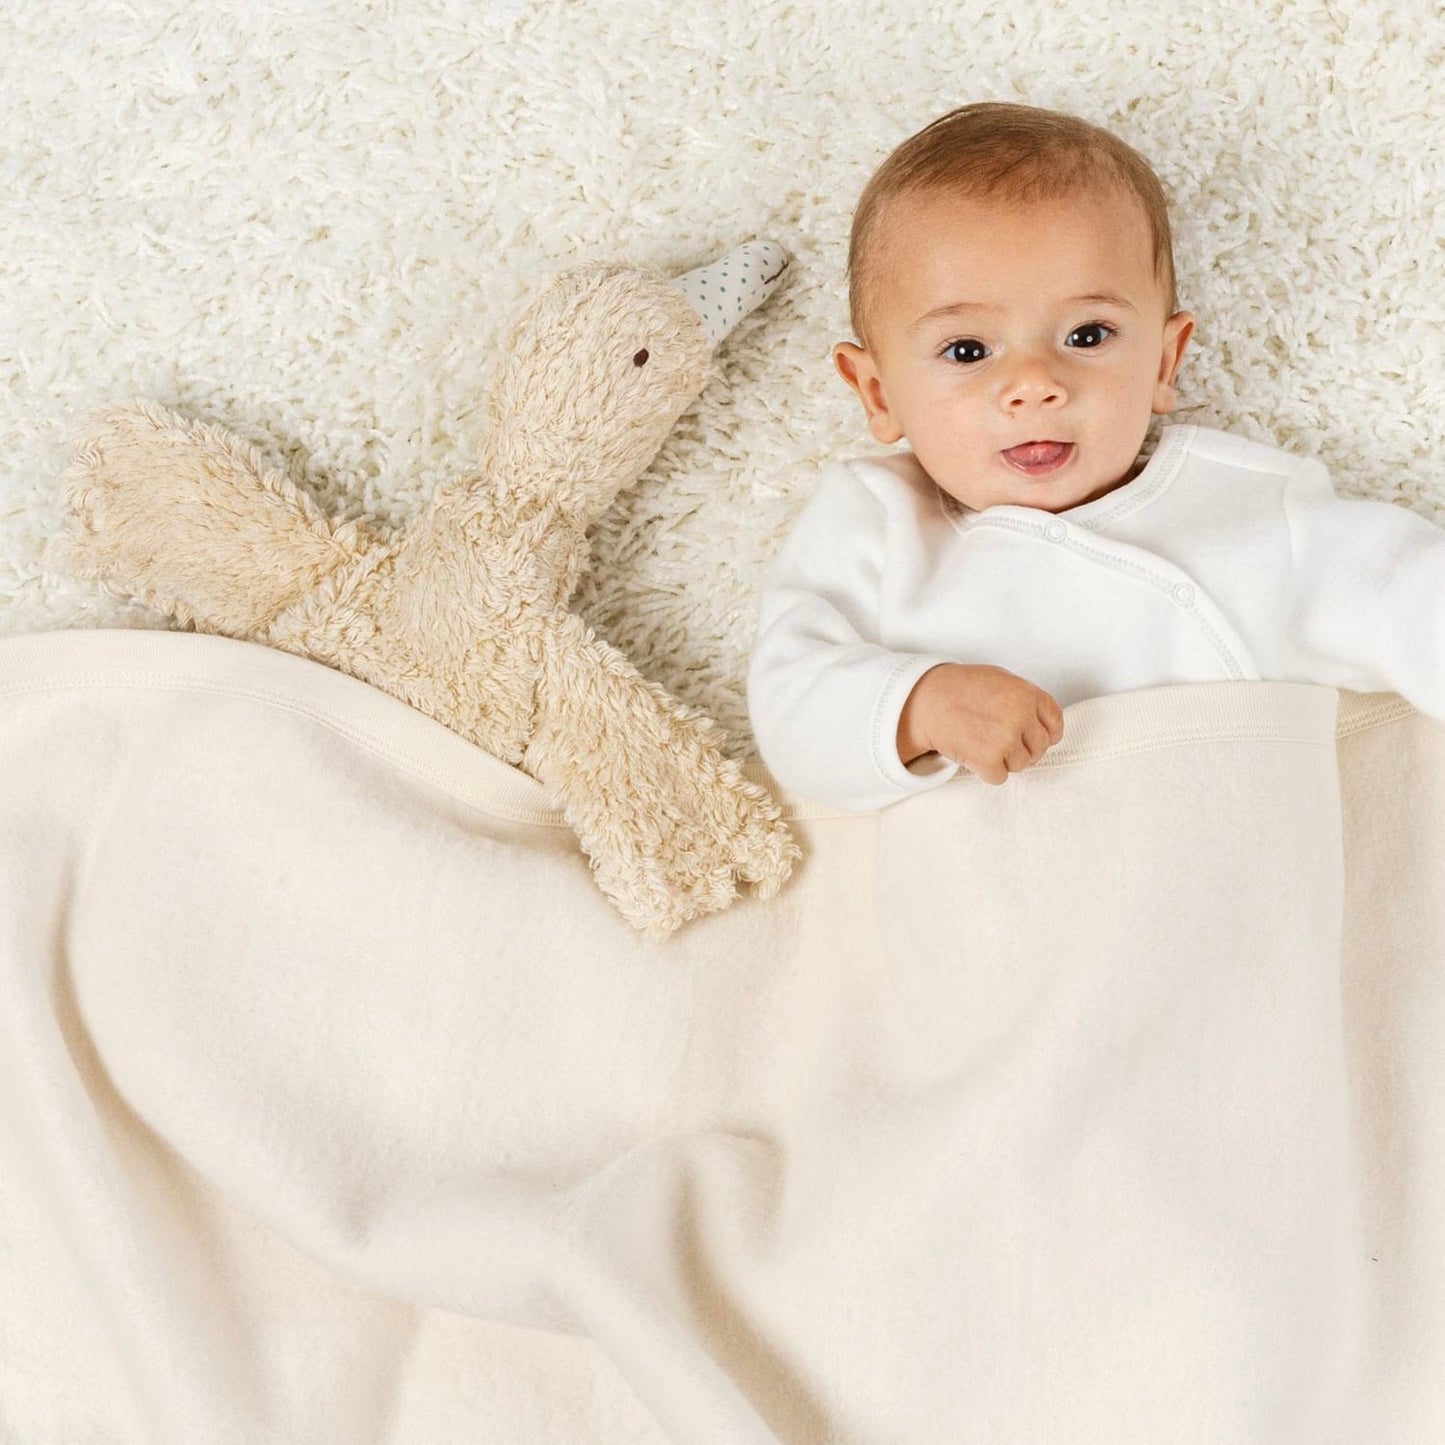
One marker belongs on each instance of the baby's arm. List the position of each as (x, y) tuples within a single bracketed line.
[(840, 719), (1365, 603), (824, 698)]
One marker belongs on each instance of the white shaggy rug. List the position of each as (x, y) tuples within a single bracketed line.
[(310, 221)]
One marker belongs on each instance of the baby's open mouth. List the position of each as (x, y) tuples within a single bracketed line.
[(1038, 458)]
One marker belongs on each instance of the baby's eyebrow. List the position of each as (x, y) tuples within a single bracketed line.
[(958, 308), (1108, 297)]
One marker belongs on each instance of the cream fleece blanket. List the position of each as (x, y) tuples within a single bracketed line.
[(338, 1106)]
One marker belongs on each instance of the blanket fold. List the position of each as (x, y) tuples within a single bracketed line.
[(336, 1104)]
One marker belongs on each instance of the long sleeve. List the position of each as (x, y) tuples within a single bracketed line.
[(1367, 593), (824, 697)]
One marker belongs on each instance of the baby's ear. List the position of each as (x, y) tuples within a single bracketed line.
[(1177, 331), (856, 367)]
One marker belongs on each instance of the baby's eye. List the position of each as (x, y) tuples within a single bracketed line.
[(967, 343), (1092, 326)]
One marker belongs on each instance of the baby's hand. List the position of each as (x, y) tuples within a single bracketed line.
[(992, 721)]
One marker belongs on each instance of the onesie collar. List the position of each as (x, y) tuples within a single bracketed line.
[(1158, 473)]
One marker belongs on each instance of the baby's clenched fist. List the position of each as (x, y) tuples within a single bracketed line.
[(990, 720)]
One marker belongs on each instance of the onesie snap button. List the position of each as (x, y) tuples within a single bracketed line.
[(1056, 531), (1184, 594)]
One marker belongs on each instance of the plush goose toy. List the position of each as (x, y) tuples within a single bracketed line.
[(463, 614)]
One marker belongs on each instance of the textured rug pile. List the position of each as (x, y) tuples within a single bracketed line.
[(310, 223)]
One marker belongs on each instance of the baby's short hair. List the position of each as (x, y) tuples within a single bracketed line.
[(995, 150)]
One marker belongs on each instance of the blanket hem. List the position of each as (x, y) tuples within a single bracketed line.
[(1097, 728)]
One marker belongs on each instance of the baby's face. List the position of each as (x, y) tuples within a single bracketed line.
[(1037, 357)]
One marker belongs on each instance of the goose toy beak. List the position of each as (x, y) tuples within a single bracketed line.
[(726, 290)]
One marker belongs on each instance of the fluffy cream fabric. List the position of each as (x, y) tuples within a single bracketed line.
[(462, 612), (310, 223)]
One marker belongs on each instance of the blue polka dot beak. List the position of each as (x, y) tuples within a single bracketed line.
[(724, 291)]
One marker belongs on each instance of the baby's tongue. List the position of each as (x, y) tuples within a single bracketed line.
[(1037, 454)]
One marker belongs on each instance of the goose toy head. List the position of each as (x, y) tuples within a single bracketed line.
[(597, 370)]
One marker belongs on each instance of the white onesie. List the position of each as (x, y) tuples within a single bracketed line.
[(1223, 558)]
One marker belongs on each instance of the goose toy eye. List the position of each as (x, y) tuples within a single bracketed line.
[(641, 358)]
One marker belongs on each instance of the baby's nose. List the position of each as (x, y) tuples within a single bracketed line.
[(1033, 383)]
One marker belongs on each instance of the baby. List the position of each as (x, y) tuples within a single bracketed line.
[(1011, 282)]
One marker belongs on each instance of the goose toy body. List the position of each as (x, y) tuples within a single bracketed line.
[(463, 613)]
